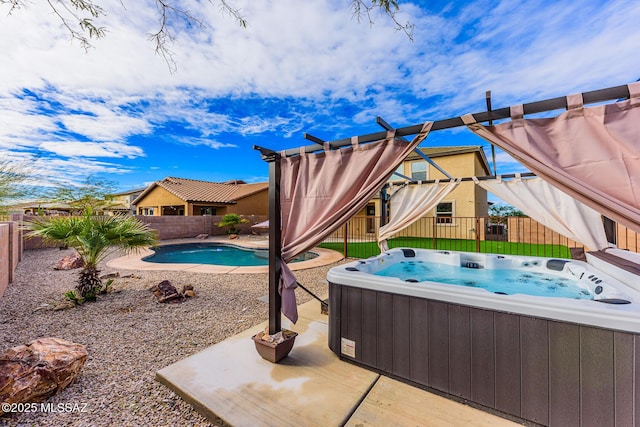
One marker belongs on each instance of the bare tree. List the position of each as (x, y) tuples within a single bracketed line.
[(14, 183), (80, 18), (90, 197)]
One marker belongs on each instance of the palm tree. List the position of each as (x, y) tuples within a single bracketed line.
[(93, 237), (231, 221)]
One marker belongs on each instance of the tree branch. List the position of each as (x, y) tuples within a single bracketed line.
[(362, 8), (79, 17), (164, 36)]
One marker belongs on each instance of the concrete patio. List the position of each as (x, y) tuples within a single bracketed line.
[(311, 387)]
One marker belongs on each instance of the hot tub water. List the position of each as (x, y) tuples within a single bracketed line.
[(501, 281)]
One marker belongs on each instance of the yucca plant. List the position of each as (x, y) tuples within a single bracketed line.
[(93, 237)]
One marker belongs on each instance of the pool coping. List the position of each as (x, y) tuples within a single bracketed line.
[(133, 261)]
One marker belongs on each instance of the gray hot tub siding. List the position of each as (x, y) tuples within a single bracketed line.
[(550, 372)]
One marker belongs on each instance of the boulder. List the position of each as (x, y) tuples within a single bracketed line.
[(166, 292), (39, 369), (70, 262)]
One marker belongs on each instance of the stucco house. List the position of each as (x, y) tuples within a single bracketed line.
[(122, 203), (190, 197), (467, 200)]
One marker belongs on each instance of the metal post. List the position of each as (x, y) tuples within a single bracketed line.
[(493, 148), (383, 205), (275, 246), (345, 240), (434, 238)]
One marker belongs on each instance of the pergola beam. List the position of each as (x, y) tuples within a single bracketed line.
[(313, 138), (595, 96), (419, 152)]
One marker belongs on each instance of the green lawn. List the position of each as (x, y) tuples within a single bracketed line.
[(368, 249)]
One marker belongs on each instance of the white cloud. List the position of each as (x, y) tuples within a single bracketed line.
[(316, 49), (211, 143), (539, 50), (310, 56), (103, 128), (313, 48), (90, 149), (254, 125)]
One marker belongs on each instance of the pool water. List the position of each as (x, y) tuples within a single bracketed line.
[(215, 254), (502, 281)]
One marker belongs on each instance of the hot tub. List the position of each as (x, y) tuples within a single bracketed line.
[(566, 360)]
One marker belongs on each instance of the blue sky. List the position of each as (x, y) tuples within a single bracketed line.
[(300, 66)]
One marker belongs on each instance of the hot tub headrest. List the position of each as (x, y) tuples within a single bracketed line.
[(409, 253), (556, 264)]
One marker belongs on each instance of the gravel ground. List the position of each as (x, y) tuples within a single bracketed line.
[(130, 336)]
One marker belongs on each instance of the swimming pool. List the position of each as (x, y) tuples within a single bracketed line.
[(518, 346), (214, 254)]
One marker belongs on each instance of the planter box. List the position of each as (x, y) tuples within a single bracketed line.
[(275, 352)]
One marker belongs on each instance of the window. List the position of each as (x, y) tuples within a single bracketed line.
[(371, 220), (444, 213), (419, 171), (208, 211)]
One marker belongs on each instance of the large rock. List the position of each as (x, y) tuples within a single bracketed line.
[(166, 292), (39, 369), (70, 262)]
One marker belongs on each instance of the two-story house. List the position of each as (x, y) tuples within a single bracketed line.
[(467, 200)]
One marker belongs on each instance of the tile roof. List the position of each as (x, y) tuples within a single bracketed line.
[(193, 190), (128, 192)]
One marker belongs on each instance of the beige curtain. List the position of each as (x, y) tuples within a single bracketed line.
[(552, 208), (592, 154), (410, 203), (320, 192)]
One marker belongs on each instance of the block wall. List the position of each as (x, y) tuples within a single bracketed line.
[(4, 257), (180, 227)]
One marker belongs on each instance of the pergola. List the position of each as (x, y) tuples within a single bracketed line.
[(621, 118)]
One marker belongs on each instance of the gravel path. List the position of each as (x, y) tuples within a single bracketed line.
[(129, 336)]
